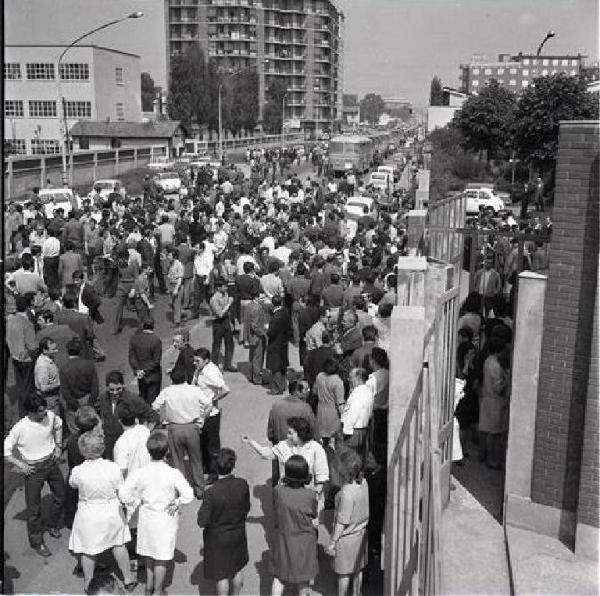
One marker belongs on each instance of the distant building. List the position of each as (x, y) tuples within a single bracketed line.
[(350, 99), (515, 72), (293, 40), (397, 108), (439, 116), (96, 83), (351, 114), (123, 135)]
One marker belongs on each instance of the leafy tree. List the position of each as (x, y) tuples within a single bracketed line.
[(192, 91), (485, 119), (541, 107), (349, 100), (241, 101), (149, 90), (436, 95), (272, 112), (371, 108)]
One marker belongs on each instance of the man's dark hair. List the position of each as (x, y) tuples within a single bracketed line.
[(369, 333), (33, 402), (22, 302), (69, 300), (178, 376), (74, 347), (126, 414), (248, 267), (203, 353), (114, 376), (225, 461)]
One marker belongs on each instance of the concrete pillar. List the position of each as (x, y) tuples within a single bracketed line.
[(406, 363), (95, 167), (411, 281), (518, 507), (415, 226), (116, 162), (135, 157), (10, 180)]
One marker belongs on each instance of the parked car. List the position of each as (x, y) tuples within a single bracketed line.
[(54, 198), (390, 169), (170, 182), (355, 207), (106, 187), (482, 198), (504, 196), (160, 163)]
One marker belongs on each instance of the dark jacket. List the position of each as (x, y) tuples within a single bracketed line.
[(81, 325), (78, 378), (145, 353), (288, 407), (278, 335)]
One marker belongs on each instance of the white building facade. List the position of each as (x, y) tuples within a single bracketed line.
[(95, 83)]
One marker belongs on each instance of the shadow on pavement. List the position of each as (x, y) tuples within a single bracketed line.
[(9, 575)]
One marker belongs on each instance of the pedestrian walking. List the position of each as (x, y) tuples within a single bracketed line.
[(255, 335), (278, 335), (222, 332), (145, 354), (223, 516)]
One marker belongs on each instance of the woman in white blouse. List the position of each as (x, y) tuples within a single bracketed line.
[(160, 491), (99, 523), (299, 441)]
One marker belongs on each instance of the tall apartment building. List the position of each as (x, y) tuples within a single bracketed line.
[(515, 72), (300, 41), (96, 83)]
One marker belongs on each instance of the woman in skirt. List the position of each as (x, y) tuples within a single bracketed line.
[(349, 541), (223, 516), (160, 490), (99, 523), (296, 519)]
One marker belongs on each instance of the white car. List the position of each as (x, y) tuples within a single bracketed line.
[(482, 198), (390, 170), (160, 163), (55, 198), (170, 182), (355, 207), (381, 181), (106, 188)]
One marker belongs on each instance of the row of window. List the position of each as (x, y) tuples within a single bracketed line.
[(512, 83), (46, 72), (38, 146), (525, 72), (14, 108), (500, 71), (547, 61)]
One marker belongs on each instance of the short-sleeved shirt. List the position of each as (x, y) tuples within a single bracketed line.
[(311, 451)]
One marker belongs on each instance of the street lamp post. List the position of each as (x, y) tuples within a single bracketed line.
[(283, 120), (61, 100), (220, 124), (549, 35)]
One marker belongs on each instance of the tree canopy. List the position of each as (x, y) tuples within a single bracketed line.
[(485, 119), (436, 95), (540, 109), (371, 108), (240, 99), (149, 90), (272, 112)]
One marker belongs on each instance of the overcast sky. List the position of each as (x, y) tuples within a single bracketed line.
[(392, 47)]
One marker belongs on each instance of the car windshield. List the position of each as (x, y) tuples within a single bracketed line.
[(471, 194), (57, 197), (378, 176), (104, 185)]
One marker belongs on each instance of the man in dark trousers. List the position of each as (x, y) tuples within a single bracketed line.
[(145, 353), (220, 305), (78, 382), (255, 335), (80, 323), (277, 347)]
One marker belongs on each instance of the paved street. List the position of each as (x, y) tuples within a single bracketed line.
[(245, 411)]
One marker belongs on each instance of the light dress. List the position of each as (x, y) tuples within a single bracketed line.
[(312, 452), (155, 486), (99, 522)]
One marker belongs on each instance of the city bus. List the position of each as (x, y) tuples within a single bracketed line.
[(350, 152)]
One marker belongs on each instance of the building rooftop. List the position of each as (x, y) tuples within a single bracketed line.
[(82, 45), (164, 129)]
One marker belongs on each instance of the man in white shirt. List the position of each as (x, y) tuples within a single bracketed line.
[(186, 409), (203, 265), (357, 412), (50, 254), (208, 376), (33, 445)]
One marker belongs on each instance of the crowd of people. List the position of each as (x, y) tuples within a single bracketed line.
[(270, 263)]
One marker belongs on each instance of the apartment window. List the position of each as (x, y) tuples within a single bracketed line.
[(78, 109), (526, 61), (119, 76), (573, 62), (13, 108), (524, 83), (475, 71), (45, 146), (525, 72), (84, 143), (545, 62), (40, 72), (555, 62), (74, 72), (475, 83), (500, 71), (12, 71), (488, 71), (42, 109), (564, 62), (120, 112), (15, 146), (512, 82), (513, 71), (534, 62)]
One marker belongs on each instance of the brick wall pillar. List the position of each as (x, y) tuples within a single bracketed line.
[(568, 325)]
